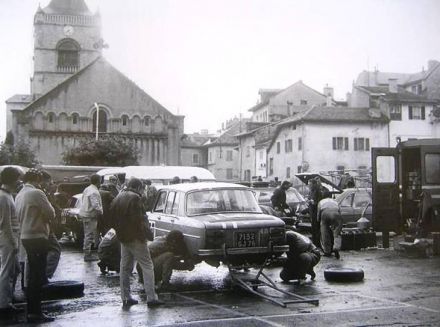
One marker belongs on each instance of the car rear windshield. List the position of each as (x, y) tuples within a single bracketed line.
[(221, 200)]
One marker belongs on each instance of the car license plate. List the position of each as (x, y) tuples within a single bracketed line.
[(246, 240)]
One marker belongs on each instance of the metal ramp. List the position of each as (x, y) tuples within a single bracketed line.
[(254, 284)]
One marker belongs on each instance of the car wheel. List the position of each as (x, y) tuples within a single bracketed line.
[(63, 289), (343, 274)]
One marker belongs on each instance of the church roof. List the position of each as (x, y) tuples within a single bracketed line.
[(67, 7), (104, 64)]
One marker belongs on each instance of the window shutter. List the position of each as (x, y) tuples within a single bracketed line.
[(367, 144), (334, 143), (410, 113), (355, 144), (346, 143), (423, 112)]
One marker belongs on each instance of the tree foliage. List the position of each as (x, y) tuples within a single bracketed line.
[(17, 153), (109, 151)]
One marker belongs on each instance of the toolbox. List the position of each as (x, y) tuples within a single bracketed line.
[(356, 239)]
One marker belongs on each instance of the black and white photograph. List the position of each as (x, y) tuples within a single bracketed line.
[(220, 163)]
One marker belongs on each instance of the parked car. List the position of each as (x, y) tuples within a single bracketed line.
[(70, 220), (352, 204), (221, 222)]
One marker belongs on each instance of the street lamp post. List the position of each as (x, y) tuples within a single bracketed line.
[(97, 121)]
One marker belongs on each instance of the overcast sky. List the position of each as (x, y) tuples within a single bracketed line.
[(207, 59)]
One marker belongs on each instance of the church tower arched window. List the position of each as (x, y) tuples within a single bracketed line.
[(68, 54), (102, 123)]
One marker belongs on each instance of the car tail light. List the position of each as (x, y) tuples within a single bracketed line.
[(215, 238)]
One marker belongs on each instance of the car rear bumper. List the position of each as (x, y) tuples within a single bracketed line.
[(243, 251)]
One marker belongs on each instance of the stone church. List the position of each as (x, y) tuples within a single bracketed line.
[(75, 90)]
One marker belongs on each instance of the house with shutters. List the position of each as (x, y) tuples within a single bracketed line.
[(325, 139)]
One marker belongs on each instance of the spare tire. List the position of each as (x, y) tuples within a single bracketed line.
[(335, 274), (63, 289)]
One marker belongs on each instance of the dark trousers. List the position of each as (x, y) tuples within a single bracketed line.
[(316, 234), (298, 266), (36, 250)]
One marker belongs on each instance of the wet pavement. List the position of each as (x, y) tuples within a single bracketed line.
[(398, 290)]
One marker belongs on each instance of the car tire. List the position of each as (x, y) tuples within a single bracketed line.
[(343, 274), (63, 289)]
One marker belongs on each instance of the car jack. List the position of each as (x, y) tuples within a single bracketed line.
[(253, 284)]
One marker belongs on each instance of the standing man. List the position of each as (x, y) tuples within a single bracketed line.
[(128, 219), (301, 258), (278, 198), (315, 195), (34, 211), (149, 196), (330, 219), (90, 210), (9, 237), (104, 219), (113, 185)]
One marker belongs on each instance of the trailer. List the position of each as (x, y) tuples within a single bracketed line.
[(406, 188)]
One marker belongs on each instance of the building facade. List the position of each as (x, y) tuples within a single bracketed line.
[(76, 95)]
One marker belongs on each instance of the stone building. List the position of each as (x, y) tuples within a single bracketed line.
[(75, 91), (277, 104)]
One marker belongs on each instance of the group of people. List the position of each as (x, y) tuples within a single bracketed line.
[(25, 219), (27, 212), (121, 220), (326, 224)]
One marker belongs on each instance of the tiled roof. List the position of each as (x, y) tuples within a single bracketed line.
[(229, 136), (400, 96), (259, 105), (67, 7), (336, 114), (405, 96), (374, 89), (194, 140), (20, 98)]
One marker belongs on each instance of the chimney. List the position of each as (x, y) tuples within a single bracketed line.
[(392, 85), (432, 64)]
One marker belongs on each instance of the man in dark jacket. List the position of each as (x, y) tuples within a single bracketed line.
[(104, 220), (301, 258), (278, 198), (168, 253), (131, 230), (315, 195)]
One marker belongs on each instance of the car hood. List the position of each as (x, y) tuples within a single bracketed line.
[(241, 219), (330, 186)]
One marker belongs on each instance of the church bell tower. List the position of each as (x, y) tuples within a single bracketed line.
[(67, 37)]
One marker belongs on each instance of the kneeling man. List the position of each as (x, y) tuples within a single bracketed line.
[(301, 258)]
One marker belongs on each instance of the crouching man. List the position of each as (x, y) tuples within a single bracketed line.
[(168, 253), (301, 258)]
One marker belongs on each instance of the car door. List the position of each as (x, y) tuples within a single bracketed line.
[(158, 223), (346, 208), (361, 203), (386, 194)]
